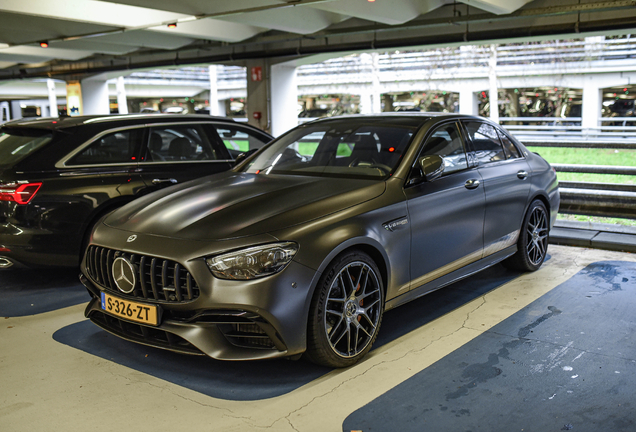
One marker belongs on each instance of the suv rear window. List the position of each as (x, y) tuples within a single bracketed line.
[(16, 144)]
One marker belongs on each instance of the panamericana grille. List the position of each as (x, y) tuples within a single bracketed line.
[(157, 278)]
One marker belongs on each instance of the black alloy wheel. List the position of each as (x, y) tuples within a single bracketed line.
[(532, 246), (346, 311)]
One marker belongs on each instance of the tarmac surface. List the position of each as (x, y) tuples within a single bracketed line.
[(500, 351)]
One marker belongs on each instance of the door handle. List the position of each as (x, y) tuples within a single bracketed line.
[(471, 184), (161, 181), (522, 174)]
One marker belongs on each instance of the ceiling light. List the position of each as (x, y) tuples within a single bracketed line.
[(44, 44), (172, 25)]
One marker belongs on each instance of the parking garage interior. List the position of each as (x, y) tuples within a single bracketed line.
[(498, 351)]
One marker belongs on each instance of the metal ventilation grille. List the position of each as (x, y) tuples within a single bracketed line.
[(157, 278)]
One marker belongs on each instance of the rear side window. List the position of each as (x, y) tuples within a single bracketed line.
[(485, 141), (511, 151), (15, 144), (115, 147)]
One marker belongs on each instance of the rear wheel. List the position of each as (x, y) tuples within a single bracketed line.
[(346, 311), (532, 245)]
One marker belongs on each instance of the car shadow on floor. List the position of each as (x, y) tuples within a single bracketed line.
[(267, 379), (26, 292)]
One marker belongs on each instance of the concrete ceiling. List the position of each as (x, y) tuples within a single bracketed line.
[(86, 37)]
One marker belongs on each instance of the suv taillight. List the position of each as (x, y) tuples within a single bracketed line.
[(20, 193)]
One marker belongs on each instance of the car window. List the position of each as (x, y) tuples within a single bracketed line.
[(509, 148), (238, 139), (177, 143), (16, 144), (446, 142), (116, 147), (336, 150), (485, 141)]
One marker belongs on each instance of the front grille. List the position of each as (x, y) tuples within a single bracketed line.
[(142, 334), (156, 278)]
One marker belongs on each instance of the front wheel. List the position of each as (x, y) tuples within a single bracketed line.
[(346, 311), (532, 245)]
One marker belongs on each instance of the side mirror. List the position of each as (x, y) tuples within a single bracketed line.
[(240, 158), (431, 168)]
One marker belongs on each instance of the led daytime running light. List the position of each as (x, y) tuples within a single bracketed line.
[(254, 262)]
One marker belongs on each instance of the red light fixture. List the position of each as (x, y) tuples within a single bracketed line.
[(44, 44), (19, 193), (172, 25)]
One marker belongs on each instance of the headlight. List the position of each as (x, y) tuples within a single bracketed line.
[(254, 262)]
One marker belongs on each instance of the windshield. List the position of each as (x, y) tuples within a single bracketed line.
[(346, 148), (15, 144)]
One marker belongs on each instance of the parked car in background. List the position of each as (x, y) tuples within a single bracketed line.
[(58, 176), (303, 246)]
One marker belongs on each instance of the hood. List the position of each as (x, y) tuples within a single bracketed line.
[(233, 205)]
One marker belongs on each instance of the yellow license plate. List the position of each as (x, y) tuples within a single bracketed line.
[(129, 310)]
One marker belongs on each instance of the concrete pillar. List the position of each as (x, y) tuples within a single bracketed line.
[(376, 106), (366, 106), (122, 101), (16, 110), (468, 102), (493, 93), (95, 97), (592, 100), (50, 84), (258, 94), (220, 109), (284, 98), (388, 103), (213, 101)]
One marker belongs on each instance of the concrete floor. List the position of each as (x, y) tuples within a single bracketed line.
[(501, 351)]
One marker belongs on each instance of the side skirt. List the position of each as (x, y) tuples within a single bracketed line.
[(452, 277)]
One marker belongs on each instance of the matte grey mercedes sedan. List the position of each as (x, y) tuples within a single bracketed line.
[(302, 246)]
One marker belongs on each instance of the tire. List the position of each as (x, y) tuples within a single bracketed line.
[(346, 311), (532, 245)]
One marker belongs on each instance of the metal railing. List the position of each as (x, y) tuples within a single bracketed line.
[(593, 198)]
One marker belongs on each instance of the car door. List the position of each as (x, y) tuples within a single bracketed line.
[(446, 215), (179, 152), (505, 174)]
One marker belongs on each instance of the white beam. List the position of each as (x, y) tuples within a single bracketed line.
[(386, 12), (212, 29), (498, 7), (299, 20), (45, 53), (93, 11)]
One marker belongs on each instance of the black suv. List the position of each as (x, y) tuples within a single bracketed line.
[(58, 176)]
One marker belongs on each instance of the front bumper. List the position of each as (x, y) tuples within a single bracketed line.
[(230, 320)]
